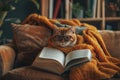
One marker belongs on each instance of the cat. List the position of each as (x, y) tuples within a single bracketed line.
[(64, 37)]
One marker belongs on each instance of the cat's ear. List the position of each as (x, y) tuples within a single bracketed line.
[(72, 29)]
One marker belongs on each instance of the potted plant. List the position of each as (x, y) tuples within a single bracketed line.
[(77, 10), (7, 5)]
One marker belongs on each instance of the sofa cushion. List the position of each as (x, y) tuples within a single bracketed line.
[(29, 40), (112, 41), (7, 57), (30, 73)]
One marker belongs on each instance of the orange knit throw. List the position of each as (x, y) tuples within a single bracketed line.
[(102, 65)]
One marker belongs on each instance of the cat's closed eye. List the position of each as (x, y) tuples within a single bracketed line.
[(61, 38), (67, 38)]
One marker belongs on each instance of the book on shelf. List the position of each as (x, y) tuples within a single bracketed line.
[(57, 7), (45, 8), (51, 5), (98, 8), (55, 61), (94, 8)]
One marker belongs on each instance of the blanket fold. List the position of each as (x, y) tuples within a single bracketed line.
[(102, 65)]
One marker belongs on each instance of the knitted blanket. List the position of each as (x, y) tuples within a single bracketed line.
[(102, 65)]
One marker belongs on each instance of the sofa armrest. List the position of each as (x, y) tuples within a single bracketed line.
[(7, 56), (112, 41)]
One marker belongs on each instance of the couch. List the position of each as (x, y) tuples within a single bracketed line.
[(14, 68)]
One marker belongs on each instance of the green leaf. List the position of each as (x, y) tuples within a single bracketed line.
[(13, 20), (1, 32), (36, 3), (12, 7)]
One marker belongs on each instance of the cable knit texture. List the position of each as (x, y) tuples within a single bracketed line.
[(102, 65)]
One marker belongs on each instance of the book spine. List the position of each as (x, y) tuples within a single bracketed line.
[(94, 8), (98, 8), (57, 6), (44, 8), (67, 8), (51, 8)]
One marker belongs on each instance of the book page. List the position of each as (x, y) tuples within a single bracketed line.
[(75, 63), (77, 54), (52, 53)]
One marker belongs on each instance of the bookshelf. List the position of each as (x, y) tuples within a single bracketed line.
[(101, 15)]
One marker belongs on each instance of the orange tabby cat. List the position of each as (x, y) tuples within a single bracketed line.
[(64, 37)]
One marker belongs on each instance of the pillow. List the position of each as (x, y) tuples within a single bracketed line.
[(7, 56), (29, 40)]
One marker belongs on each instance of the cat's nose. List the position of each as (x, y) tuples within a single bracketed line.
[(62, 40)]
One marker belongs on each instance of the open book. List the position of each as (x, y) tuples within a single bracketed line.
[(72, 59)]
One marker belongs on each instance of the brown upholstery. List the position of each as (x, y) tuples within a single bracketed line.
[(30, 73), (112, 41), (7, 57)]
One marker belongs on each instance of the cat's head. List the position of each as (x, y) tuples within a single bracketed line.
[(64, 37)]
